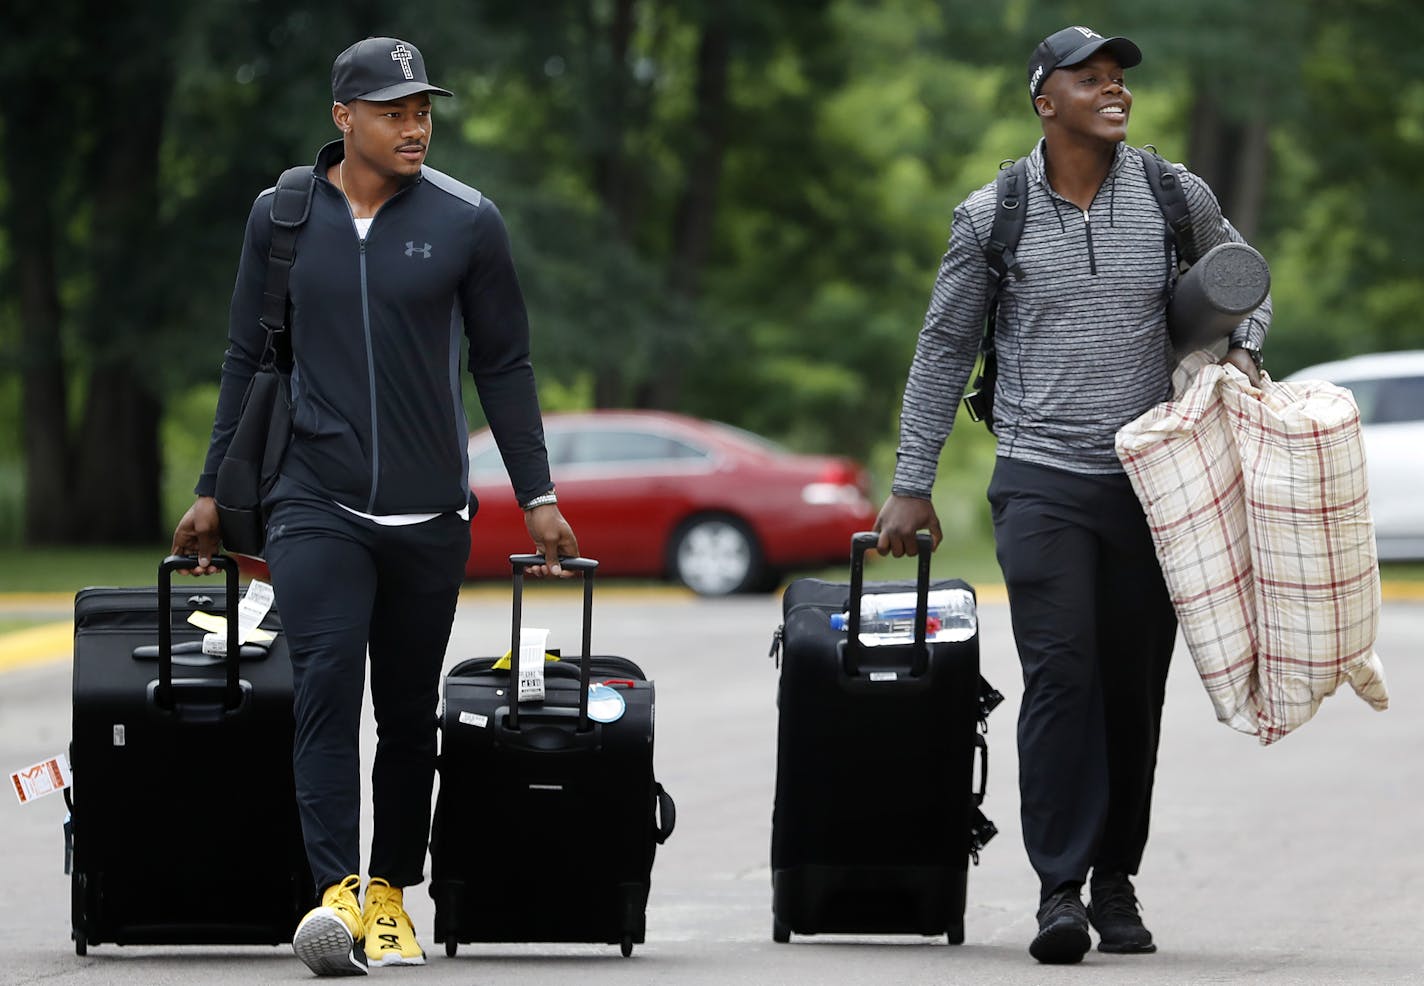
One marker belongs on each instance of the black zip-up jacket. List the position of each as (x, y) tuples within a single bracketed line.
[(378, 423)]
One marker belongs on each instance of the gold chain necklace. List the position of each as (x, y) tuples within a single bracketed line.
[(341, 183)]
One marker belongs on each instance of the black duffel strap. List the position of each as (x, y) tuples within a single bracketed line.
[(667, 813), (291, 205)]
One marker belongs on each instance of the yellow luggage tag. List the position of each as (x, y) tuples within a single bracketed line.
[(213, 623), (503, 663), (250, 611)]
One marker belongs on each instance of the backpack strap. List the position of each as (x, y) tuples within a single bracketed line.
[(1167, 189), (291, 205), (1011, 194), (1010, 209)]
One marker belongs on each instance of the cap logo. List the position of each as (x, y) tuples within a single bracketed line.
[(403, 55), (1033, 82), (1087, 32)]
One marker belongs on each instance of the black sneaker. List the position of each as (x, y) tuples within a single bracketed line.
[(1114, 913), (1062, 936)]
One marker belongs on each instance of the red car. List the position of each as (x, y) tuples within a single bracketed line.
[(663, 495)]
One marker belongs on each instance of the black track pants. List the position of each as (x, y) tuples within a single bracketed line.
[(1095, 629), (343, 585)]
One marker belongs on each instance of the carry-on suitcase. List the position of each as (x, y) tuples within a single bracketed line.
[(547, 818), (182, 764), (876, 811)]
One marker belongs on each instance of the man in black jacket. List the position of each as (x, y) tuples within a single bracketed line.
[(368, 527)]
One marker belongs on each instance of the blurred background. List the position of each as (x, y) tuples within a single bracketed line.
[(733, 210)]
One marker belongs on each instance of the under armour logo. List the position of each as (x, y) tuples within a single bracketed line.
[(1087, 32), (403, 55), (411, 249)]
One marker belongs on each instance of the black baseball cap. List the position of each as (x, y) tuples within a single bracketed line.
[(379, 69), (1071, 46)]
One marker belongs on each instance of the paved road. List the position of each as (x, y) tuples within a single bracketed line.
[(1300, 863)]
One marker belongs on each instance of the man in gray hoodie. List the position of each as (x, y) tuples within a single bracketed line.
[(1082, 349)]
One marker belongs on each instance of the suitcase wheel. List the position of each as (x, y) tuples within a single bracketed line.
[(451, 947), (626, 946), (780, 933)]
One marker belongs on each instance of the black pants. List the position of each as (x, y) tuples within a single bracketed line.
[(1095, 629), (343, 585)]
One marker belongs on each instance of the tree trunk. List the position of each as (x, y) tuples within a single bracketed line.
[(697, 211), (119, 462), (1252, 165), (1232, 157), (612, 172), (33, 87), (696, 215)]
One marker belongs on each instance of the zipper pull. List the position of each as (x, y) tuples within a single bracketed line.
[(777, 636), (1087, 219)]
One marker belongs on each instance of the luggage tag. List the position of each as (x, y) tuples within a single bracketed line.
[(529, 674), (605, 704), (250, 612), (45, 777)]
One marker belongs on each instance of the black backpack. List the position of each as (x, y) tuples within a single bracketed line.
[(253, 460), (1011, 192)]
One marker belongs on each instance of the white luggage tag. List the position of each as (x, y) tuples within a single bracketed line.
[(37, 780), (533, 642), (250, 612)]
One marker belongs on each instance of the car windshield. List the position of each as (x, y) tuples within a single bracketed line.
[(749, 438), (1389, 400), (597, 445)]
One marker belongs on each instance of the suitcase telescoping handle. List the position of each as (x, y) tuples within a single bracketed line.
[(164, 694), (585, 565), (859, 544)]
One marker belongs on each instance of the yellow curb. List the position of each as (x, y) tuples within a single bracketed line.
[(36, 645), (24, 601), (1402, 591)]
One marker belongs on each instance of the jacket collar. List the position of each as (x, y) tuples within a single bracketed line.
[(1038, 173), (331, 154)]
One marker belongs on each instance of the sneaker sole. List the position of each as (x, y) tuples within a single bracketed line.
[(1061, 945), (324, 944), (395, 958), (1127, 949)]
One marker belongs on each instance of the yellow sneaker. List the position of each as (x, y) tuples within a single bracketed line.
[(330, 938), (391, 936)]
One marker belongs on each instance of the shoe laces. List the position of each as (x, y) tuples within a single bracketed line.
[(383, 900), (1064, 901), (342, 896), (1115, 898)]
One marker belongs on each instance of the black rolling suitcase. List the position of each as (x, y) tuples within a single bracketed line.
[(876, 811), (547, 821), (182, 801)]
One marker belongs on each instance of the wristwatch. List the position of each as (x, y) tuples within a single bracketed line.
[(542, 500), (1252, 351)]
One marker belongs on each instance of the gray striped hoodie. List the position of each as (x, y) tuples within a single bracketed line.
[(1082, 340)]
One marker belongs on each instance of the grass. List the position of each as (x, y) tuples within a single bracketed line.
[(70, 569)]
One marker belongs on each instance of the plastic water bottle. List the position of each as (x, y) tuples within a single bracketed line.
[(889, 617)]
